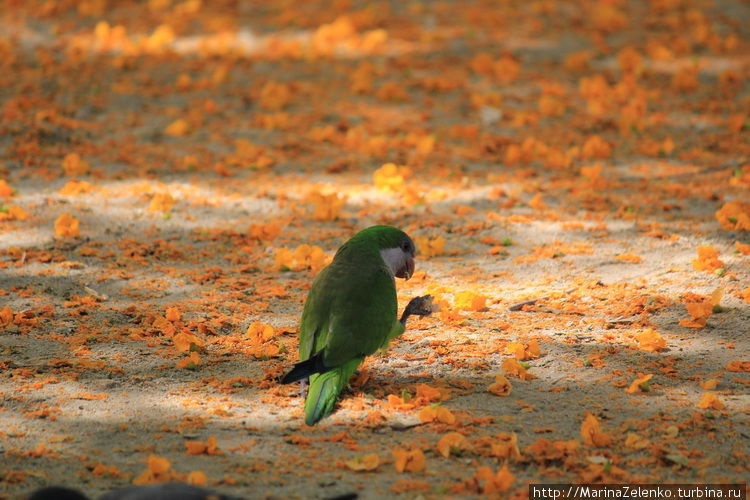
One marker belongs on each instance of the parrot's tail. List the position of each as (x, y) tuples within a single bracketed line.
[(325, 389), (305, 368)]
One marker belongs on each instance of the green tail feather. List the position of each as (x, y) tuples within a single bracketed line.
[(325, 389)]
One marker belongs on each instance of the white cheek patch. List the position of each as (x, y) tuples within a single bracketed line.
[(394, 258)]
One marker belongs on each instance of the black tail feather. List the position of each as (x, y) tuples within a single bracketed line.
[(305, 368)]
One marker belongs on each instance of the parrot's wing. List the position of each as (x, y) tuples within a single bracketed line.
[(361, 317), (315, 316)]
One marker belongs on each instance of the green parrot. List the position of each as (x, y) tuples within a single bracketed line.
[(350, 313)]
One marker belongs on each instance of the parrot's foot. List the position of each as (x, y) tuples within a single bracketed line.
[(303, 389), (418, 306)]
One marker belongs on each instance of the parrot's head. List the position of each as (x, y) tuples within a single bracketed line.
[(396, 248)]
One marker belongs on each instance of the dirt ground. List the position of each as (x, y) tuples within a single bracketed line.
[(564, 168)]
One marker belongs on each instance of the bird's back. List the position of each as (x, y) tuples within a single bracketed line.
[(350, 309)]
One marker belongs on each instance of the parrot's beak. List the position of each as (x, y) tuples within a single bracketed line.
[(407, 270)]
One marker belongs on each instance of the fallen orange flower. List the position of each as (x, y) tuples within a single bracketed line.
[(264, 232), (74, 165), (177, 128), (536, 202), (426, 394), (710, 400), (86, 396), (161, 202), (327, 206), (708, 260), (197, 478), (470, 301), (367, 462), (13, 212), (700, 308), (494, 482), (209, 447), (543, 450), (185, 341), (304, 257), (398, 403), (430, 247), (275, 96), (514, 368), (651, 341), (6, 191), (173, 314), (159, 470), (523, 351), (592, 434), (506, 446), (710, 384), (190, 362), (108, 471), (596, 148), (6, 315), (74, 188), (67, 226), (501, 386), (738, 366), (633, 440), (629, 257), (436, 413), (408, 460), (451, 441), (390, 177), (260, 332), (734, 216), (639, 384)]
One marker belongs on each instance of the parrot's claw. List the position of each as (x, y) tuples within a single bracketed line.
[(418, 306), (303, 388)]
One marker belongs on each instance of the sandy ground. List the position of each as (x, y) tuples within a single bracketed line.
[(90, 385)]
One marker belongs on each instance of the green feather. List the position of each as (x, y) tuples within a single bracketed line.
[(325, 389)]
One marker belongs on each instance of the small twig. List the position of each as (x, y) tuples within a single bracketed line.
[(519, 306), (622, 321), (707, 170)]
